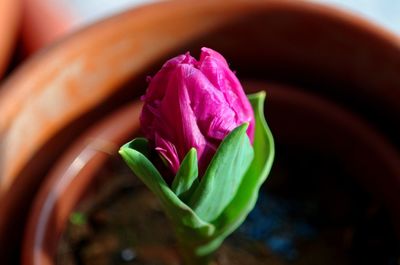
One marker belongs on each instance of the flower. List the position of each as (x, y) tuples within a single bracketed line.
[(192, 103)]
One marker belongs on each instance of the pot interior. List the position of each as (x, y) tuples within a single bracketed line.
[(316, 206), (310, 211)]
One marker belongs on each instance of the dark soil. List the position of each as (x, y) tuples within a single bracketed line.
[(310, 212)]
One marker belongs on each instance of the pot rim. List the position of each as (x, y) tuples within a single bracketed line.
[(46, 222), (82, 159)]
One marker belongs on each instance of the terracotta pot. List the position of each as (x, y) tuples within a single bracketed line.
[(324, 126), (56, 94), (10, 13)]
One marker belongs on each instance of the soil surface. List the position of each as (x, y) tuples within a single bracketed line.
[(310, 212)]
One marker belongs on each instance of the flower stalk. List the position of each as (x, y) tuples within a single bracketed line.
[(219, 162)]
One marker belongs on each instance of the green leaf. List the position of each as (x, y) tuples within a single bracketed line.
[(186, 221), (223, 175), (264, 150), (186, 181), (139, 144), (225, 195)]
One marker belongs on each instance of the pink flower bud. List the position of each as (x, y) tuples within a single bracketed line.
[(196, 104)]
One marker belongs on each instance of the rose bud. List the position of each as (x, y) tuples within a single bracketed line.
[(192, 103)]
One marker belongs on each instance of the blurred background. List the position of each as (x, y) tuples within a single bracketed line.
[(45, 21), (333, 83)]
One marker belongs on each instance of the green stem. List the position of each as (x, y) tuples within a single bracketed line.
[(189, 257), (198, 254)]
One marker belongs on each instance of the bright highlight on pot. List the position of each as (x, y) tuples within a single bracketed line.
[(215, 142)]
